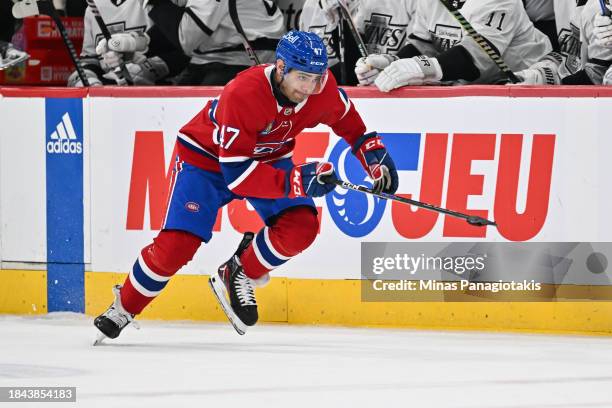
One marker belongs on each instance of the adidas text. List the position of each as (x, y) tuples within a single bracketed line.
[(65, 146)]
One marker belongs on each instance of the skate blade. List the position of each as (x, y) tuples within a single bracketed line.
[(218, 289), (99, 339)]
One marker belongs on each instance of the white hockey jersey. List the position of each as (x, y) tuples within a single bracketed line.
[(313, 19), (119, 16), (504, 23), (568, 21), (292, 11), (597, 58), (540, 10), (385, 24), (215, 39)]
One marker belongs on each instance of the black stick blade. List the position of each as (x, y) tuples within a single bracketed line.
[(479, 221)]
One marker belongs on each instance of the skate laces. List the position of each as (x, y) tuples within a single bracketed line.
[(118, 314), (244, 289)]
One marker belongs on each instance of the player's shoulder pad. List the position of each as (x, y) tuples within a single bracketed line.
[(249, 87)]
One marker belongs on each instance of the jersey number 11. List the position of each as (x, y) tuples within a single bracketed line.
[(501, 20)]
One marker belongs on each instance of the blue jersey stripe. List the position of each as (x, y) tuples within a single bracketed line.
[(265, 251), (147, 282)]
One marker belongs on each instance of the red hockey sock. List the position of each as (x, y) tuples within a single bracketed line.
[(157, 263), (293, 232)]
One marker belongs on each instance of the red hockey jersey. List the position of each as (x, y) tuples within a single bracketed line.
[(243, 130)]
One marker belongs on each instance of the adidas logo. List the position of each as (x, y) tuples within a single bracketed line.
[(63, 138)]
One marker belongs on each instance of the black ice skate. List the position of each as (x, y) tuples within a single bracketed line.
[(230, 280), (114, 320)]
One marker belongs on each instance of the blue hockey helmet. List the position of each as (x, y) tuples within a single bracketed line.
[(303, 51)]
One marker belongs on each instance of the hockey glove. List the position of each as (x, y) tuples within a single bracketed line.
[(306, 180), (368, 68), (144, 72), (121, 47), (377, 162), (541, 75), (25, 8), (419, 70), (603, 31)]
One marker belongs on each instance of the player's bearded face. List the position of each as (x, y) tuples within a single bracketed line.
[(299, 85)]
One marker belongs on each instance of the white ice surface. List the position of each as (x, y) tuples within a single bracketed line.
[(209, 365)]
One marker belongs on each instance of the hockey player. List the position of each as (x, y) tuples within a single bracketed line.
[(323, 18), (240, 146), (591, 57), (558, 67), (596, 42), (148, 61), (149, 58), (385, 24), (206, 33), (440, 50), (603, 37), (542, 15)]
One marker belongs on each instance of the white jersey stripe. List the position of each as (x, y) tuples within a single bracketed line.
[(260, 257), (141, 289), (145, 268), (234, 159)]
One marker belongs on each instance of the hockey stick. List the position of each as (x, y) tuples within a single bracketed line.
[(121, 71), (346, 15), (605, 11), (233, 12), (341, 54), (471, 219), (46, 7), (482, 42)]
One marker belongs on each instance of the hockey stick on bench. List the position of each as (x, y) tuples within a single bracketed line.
[(233, 12), (471, 219), (482, 42), (346, 15), (121, 71)]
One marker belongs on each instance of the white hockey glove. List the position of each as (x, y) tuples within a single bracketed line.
[(545, 72), (74, 81), (368, 68), (121, 47), (10, 55), (538, 76), (25, 8), (419, 70), (603, 30), (332, 14), (145, 72)]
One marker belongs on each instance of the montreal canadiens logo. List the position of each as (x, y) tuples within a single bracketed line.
[(193, 207), (354, 213)]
